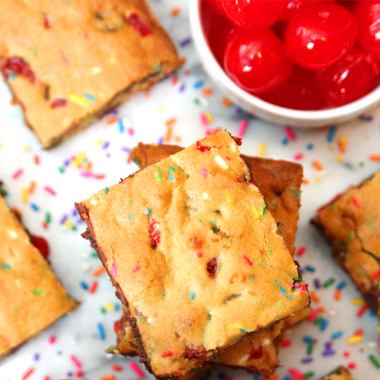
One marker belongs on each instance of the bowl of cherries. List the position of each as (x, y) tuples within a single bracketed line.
[(301, 62)]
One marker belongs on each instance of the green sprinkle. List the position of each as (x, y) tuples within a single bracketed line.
[(4, 193), (318, 320), (94, 254), (106, 190), (191, 295), (251, 278), (103, 310), (15, 307), (129, 201), (310, 348), (361, 164), (61, 169), (138, 321), (351, 236), (328, 282), (48, 217), (196, 101), (159, 175), (59, 352), (74, 228), (33, 50), (263, 209), (295, 192), (374, 360), (148, 212), (37, 292), (172, 169), (331, 207), (309, 374)]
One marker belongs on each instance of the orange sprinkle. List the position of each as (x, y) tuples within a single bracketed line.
[(226, 102), (31, 187), (175, 11), (273, 377), (322, 309), (374, 157), (171, 121), (146, 95), (88, 166), (342, 148), (317, 165), (108, 377), (168, 133), (314, 297), (98, 271), (111, 120), (337, 295), (182, 60), (207, 91), (305, 181)]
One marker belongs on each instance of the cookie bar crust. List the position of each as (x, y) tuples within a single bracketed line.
[(69, 63)]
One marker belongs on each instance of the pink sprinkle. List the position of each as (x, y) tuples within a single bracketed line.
[(313, 315), (247, 260), (356, 203), (114, 269), (289, 133), (136, 268), (203, 119), (50, 190), (296, 373), (298, 156), (242, 127), (17, 173), (301, 251), (87, 174), (131, 131), (79, 373), (75, 360), (51, 340), (203, 171), (136, 369), (199, 254)]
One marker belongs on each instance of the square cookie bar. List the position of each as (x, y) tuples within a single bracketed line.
[(31, 296), (68, 63), (195, 255), (341, 373), (350, 222)]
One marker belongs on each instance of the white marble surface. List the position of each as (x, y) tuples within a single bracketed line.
[(70, 255)]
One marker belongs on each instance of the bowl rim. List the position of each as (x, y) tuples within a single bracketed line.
[(346, 111)]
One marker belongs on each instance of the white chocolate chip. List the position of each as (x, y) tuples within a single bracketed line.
[(219, 160)]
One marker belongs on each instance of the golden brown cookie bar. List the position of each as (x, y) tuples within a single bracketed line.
[(31, 296), (341, 373), (68, 63), (350, 222), (195, 255)]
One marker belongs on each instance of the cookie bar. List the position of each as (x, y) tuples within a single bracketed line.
[(350, 222), (31, 296), (68, 63), (341, 373), (195, 255)]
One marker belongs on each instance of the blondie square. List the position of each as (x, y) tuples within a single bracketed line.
[(68, 63), (31, 296), (195, 255), (350, 222)]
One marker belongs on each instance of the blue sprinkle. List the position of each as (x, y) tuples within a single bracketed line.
[(185, 41), (307, 360), (328, 352), (341, 285), (286, 377), (125, 149), (256, 376), (291, 297), (331, 133), (308, 339), (121, 125), (171, 177), (84, 285), (238, 110), (285, 141), (106, 190), (106, 145), (310, 268), (6, 266), (243, 330), (198, 84), (324, 325), (148, 212), (117, 306), (102, 335), (90, 97), (317, 283), (160, 140), (365, 117), (309, 146), (221, 375), (182, 87), (114, 112), (34, 207), (336, 335), (36, 357), (191, 295), (74, 212), (69, 374), (129, 217)]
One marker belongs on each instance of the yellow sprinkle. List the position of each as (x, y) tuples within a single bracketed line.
[(78, 159), (109, 307), (99, 142), (68, 223), (160, 109), (357, 301), (24, 195), (80, 100), (209, 117), (219, 160), (354, 339), (378, 328), (26, 148), (236, 326), (256, 212), (342, 140), (262, 149), (339, 158), (228, 196), (317, 180), (1, 144)]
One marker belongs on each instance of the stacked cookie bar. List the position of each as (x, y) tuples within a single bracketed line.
[(195, 255)]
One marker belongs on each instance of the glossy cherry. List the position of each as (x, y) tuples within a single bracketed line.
[(217, 5), (320, 35), (349, 79), (218, 30), (257, 61), (294, 6), (254, 14), (367, 14), (298, 92)]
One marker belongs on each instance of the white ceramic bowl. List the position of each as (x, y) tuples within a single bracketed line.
[(259, 107)]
